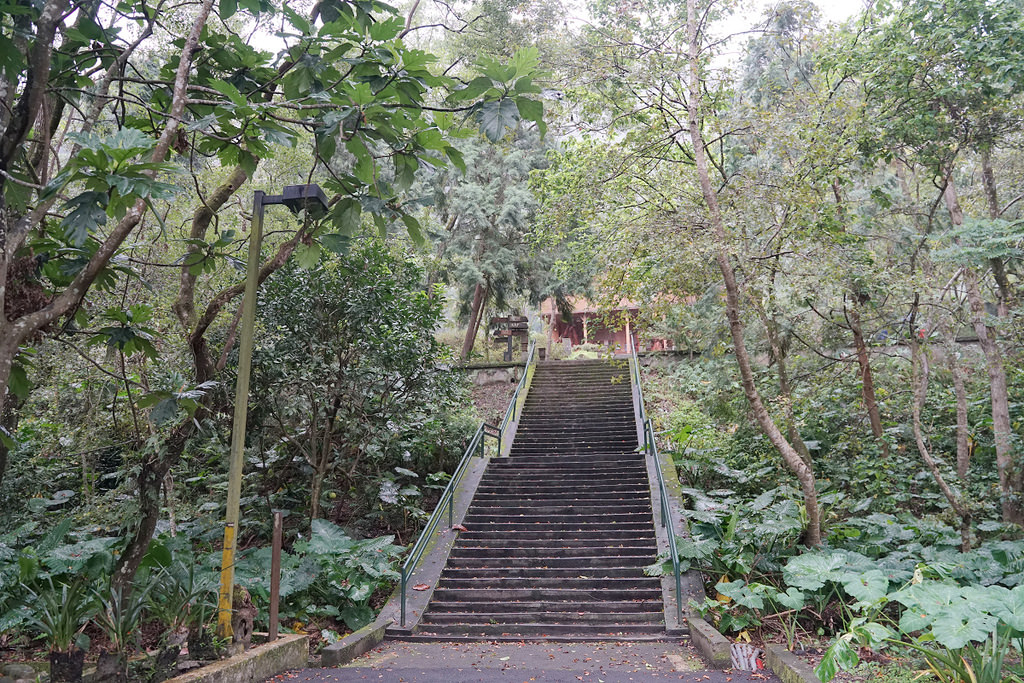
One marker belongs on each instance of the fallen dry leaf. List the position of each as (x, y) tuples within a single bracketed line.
[(421, 587)]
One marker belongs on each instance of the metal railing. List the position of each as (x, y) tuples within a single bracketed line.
[(476, 447), (651, 448), (510, 412)]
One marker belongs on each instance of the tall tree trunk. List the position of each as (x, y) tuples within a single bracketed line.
[(474, 319), (867, 382), (150, 482), (919, 382), (963, 445), (785, 389), (1010, 484), (9, 423), (988, 181), (803, 472), (322, 453)]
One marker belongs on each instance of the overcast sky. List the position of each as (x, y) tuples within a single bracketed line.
[(837, 10)]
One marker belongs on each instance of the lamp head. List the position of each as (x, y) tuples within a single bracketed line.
[(305, 197)]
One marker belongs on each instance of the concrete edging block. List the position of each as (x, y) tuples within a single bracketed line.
[(787, 666), (354, 644), (265, 661), (712, 645)]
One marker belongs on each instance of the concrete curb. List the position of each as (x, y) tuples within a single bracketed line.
[(712, 645), (256, 665), (354, 644), (787, 666)]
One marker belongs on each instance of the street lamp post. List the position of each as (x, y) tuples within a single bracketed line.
[(297, 198)]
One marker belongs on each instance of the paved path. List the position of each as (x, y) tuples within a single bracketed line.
[(398, 662)]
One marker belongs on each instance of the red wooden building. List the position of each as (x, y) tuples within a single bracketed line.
[(592, 325)]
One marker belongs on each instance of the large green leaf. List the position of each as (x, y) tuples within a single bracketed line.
[(532, 110), (415, 231), (11, 60), (791, 599), (336, 243), (1011, 609), (742, 594), (839, 655), (477, 87), (88, 214), (307, 255), (868, 587), (495, 117), (811, 570), (327, 538), (299, 578), (958, 625), (924, 602), (356, 616)]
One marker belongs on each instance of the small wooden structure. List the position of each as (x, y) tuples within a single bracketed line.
[(511, 328)]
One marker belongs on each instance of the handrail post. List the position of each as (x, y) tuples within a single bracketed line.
[(679, 592), (404, 581)]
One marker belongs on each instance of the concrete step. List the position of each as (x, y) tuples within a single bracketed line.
[(488, 499), (509, 595), (517, 631), (567, 465), (561, 527), (475, 517), (595, 459), (606, 552), (609, 489), (575, 448), (551, 511), (544, 572), (534, 535), (505, 543), (618, 474), (627, 583), (622, 472), (560, 432), (608, 607), (560, 483), (576, 562), (542, 617)]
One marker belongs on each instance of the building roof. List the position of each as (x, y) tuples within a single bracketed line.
[(582, 305)]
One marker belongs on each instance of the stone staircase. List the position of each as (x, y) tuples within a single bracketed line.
[(558, 532)]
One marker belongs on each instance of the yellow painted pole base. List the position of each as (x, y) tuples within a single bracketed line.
[(227, 584)]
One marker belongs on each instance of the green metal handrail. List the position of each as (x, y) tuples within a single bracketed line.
[(510, 412), (651, 448), (476, 447)]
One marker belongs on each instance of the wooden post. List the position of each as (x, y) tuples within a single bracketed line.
[(275, 576)]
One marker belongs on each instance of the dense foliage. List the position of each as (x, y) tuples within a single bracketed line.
[(825, 217)]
